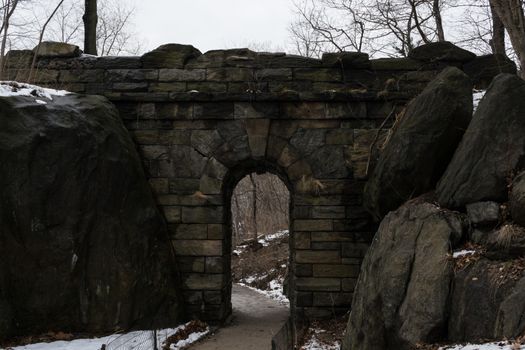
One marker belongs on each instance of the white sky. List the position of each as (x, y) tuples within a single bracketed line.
[(213, 24)]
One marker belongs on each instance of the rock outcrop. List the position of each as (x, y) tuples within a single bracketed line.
[(492, 149), (422, 143), (517, 199), (401, 297), (83, 245)]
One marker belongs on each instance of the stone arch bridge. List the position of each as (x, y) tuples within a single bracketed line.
[(203, 121)]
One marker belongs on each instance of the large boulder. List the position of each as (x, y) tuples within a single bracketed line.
[(517, 199), (83, 245), (169, 56), (422, 143), (441, 51), (487, 302), (52, 49), (402, 294), (484, 68), (492, 149)]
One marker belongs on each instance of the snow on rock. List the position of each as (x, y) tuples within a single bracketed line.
[(487, 346), (477, 95), (462, 253), (315, 344), (125, 341), (266, 239), (13, 88)]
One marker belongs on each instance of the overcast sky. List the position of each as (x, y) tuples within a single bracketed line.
[(213, 24)]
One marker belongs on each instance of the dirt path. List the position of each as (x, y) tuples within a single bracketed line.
[(256, 319)]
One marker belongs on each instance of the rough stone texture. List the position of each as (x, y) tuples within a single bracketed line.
[(401, 297), (492, 148), (484, 68), (55, 49), (422, 143), (517, 199), (83, 246), (441, 51), (483, 213), (169, 56), (485, 306), (506, 242), (202, 122)]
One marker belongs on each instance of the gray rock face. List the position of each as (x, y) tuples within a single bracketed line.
[(492, 148), (441, 51), (485, 306), (422, 144), (169, 56), (484, 68), (346, 60), (517, 199), (483, 213), (402, 294), (506, 242), (83, 246), (51, 49)]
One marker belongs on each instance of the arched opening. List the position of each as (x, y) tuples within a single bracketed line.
[(259, 238)]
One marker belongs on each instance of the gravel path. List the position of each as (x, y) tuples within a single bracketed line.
[(256, 319)]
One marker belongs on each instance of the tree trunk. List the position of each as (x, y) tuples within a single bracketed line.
[(90, 19), (254, 195), (498, 34), (511, 14), (439, 22)]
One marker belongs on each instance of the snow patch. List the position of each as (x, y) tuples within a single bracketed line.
[(13, 88), (125, 338), (462, 253), (275, 292), (315, 344), (486, 346), (477, 95), (267, 239)]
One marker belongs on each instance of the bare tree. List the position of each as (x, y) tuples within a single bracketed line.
[(511, 14), (8, 8), (90, 19)]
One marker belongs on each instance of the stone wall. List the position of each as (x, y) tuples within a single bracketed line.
[(203, 121)]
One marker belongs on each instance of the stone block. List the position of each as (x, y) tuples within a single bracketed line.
[(207, 86), (318, 284), (304, 110), (318, 257), (193, 297), (257, 130), (318, 74), (82, 76), (173, 137), (56, 49), (159, 185), (213, 297), (340, 137), (332, 236), (354, 250), (326, 270), (230, 74), (273, 74), (332, 299), (214, 265), (256, 110), (313, 225), (304, 298), (198, 247), (141, 86), (349, 284), (213, 110), (131, 75), (179, 185), (172, 87), (181, 75), (210, 185), (145, 137), (299, 170), (215, 231), (303, 270), (328, 212), (190, 264), (169, 56), (288, 156), (202, 281), (204, 215), (172, 214), (302, 240), (188, 231), (326, 246)]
